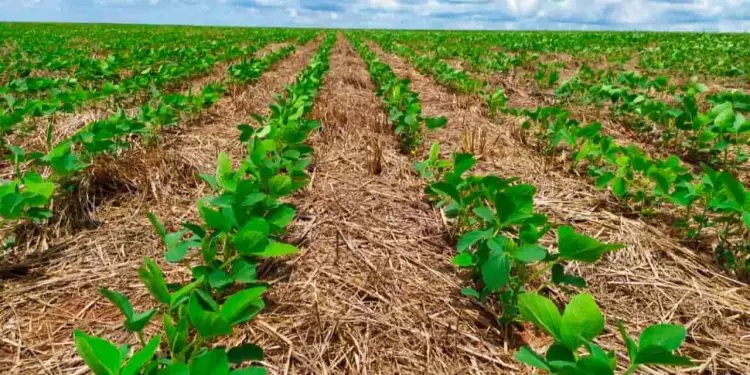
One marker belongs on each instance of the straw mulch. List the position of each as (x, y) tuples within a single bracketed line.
[(654, 279)]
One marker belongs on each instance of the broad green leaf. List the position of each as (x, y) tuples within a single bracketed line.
[(528, 356), (243, 271), (496, 271), (582, 321), (469, 239), (435, 122), (252, 238), (281, 216), (485, 213), (277, 249), (214, 219), (666, 336), (280, 185), (244, 353), (213, 362), (243, 305), (120, 300), (630, 345), (102, 357), (574, 246), (541, 312), (529, 253), (655, 355), (463, 259), (157, 224), (209, 324)]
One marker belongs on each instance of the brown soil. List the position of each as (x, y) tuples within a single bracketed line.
[(654, 279)]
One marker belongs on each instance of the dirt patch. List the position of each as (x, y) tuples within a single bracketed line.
[(654, 279)]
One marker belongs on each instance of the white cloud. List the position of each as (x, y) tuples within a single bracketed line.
[(717, 15)]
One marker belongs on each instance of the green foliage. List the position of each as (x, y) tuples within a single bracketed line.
[(403, 105), (580, 323)]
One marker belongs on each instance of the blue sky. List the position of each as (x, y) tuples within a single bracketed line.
[(673, 15)]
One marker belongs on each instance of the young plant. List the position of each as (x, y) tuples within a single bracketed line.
[(579, 325)]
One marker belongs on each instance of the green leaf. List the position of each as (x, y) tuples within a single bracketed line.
[(252, 238), (541, 312), (485, 213), (209, 324), (471, 292), (141, 358), (463, 259), (150, 274), (213, 362), (529, 253), (496, 271), (244, 353), (574, 246), (102, 357), (619, 187), (139, 320), (666, 336), (214, 219), (277, 249), (157, 224), (177, 297), (280, 185), (243, 305), (659, 356), (630, 345), (469, 239), (435, 122), (282, 216), (531, 358), (244, 271), (582, 321), (177, 333), (119, 300), (224, 172), (445, 188)]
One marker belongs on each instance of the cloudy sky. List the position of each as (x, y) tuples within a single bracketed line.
[(674, 15)]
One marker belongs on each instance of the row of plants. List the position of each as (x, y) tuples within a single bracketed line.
[(718, 135), (403, 105), (242, 223), (18, 113), (499, 242), (448, 76), (709, 201), (39, 176), (708, 55)]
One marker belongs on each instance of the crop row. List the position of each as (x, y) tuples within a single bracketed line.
[(68, 95), (241, 224), (499, 242), (39, 176), (710, 199)]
